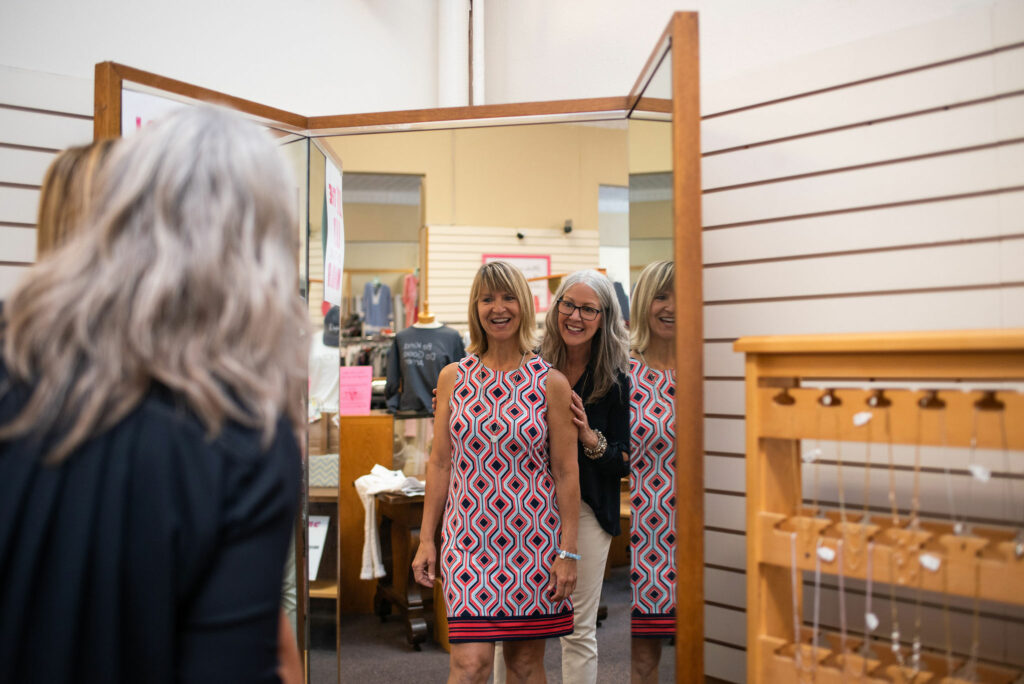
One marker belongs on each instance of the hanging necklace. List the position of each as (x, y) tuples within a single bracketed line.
[(842, 607), (795, 587), (894, 560)]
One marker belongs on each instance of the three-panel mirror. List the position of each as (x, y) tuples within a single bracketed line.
[(412, 211)]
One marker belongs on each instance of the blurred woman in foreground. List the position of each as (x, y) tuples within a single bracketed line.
[(150, 388)]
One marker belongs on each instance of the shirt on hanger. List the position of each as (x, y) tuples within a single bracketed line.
[(414, 362), (377, 305)]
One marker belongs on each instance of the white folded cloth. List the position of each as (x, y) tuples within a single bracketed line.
[(379, 480)]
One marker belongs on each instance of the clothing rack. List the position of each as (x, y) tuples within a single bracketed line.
[(918, 389)]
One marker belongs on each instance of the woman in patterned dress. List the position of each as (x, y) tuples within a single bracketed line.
[(504, 460), (652, 480)]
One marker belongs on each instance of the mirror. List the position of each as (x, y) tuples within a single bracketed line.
[(293, 590), (652, 485), (480, 188), (487, 192)]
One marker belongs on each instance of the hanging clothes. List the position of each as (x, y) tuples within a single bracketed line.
[(376, 306), (410, 298), (414, 362)]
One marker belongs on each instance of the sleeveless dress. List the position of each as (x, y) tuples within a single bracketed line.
[(501, 524), (652, 489)]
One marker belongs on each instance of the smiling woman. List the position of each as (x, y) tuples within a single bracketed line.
[(652, 481), (503, 457)]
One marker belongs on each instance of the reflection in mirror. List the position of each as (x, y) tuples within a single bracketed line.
[(551, 198), (296, 154), (652, 484)]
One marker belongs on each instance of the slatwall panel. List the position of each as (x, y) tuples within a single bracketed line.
[(456, 252), (39, 115), (877, 186)]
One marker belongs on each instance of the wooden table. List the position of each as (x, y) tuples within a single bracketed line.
[(401, 516)]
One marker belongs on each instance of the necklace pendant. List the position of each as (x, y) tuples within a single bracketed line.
[(494, 439)]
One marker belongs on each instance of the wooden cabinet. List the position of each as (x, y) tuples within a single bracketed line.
[(363, 442)]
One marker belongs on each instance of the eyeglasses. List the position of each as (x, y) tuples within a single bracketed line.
[(587, 313)]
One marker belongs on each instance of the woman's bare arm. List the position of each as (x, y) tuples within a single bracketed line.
[(439, 470)]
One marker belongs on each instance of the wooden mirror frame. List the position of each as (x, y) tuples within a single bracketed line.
[(681, 35)]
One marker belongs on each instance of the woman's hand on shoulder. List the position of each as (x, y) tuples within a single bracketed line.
[(587, 436)]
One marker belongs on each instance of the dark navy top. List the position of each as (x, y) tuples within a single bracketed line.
[(600, 478), (151, 554)]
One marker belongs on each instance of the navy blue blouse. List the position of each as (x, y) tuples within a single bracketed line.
[(151, 554)]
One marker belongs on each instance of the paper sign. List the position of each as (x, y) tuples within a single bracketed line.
[(318, 525), (354, 390), (532, 266), (334, 257)]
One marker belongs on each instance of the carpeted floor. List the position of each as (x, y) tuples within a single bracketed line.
[(372, 651)]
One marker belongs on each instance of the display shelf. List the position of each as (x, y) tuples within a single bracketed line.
[(323, 589), (806, 419), (825, 665), (966, 403), (895, 550)]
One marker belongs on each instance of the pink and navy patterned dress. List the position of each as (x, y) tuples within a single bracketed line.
[(501, 524), (652, 489)]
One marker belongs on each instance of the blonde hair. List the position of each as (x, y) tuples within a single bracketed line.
[(185, 275), (609, 348), (656, 278), (66, 193), (501, 276)]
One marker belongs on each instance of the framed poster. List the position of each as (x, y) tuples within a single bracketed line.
[(532, 266)]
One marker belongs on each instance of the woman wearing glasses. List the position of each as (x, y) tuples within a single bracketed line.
[(586, 340)]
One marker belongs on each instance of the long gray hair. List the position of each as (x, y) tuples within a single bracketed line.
[(183, 274), (609, 348)]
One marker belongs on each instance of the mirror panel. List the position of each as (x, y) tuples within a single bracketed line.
[(652, 486), (499, 190)]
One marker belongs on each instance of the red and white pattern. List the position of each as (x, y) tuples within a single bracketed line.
[(652, 489), (501, 525)]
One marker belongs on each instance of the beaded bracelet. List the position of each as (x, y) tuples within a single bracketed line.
[(597, 451)]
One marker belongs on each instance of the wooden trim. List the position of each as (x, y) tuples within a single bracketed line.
[(318, 125), (658, 105), (650, 66), (689, 349), (106, 120), (170, 85), (940, 340)]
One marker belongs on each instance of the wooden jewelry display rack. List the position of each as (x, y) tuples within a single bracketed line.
[(964, 375)]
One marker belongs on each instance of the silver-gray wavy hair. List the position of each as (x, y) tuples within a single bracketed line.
[(609, 348), (184, 274)]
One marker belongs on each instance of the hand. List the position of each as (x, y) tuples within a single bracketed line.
[(289, 665), (563, 579), (423, 564), (433, 400), (579, 417)]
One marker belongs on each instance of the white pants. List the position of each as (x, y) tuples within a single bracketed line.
[(579, 649)]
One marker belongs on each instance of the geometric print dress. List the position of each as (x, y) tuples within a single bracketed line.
[(501, 525), (652, 489)]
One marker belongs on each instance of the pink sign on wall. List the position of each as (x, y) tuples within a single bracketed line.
[(354, 390)]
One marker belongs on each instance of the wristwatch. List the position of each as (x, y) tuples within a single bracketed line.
[(563, 554)]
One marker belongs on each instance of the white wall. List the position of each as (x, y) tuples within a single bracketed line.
[(542, 50), (309, 57)]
